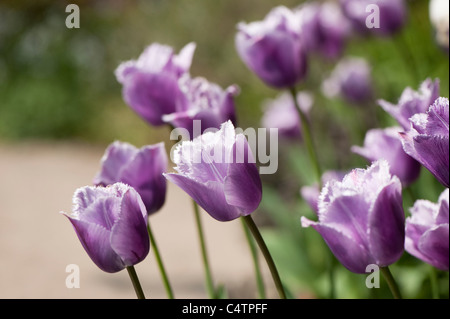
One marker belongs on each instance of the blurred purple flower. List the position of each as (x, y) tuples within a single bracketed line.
[(280, 113), (150, 84), (386, 144), (218, 171), (361, 218), (273, 49), (324, 28), (110, 223), (427, 140), (350, 79), (392, 15), (140, 168), (412, 102), (203, 101), (311, 193), (427, 232)]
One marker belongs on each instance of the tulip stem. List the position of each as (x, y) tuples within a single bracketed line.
[(434, 283), (391, 282), (136, 284), (208, 276), (307, 137), (254, 253), (160, 263), (265, 251)]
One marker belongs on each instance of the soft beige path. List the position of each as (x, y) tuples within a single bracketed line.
[(37, 243)]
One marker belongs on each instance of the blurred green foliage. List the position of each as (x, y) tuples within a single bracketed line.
[(58, 83)]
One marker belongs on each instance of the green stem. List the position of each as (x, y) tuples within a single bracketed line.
[(265, 251), (254, 253), (434, 283), (136, 284), (208, 276), (307, 137), (391, 282), (160, 263)]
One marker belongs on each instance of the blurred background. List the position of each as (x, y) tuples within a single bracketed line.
[(60, 106)]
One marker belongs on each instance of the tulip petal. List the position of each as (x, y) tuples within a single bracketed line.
[(210, 196), (151, 95), (242, 185), (144, 173), (435, 244), (347, 214), (386, 220), (96, 242), (116, 156), (432, 152), (351, 254), (129, 237)]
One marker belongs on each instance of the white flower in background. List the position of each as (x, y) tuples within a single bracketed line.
[(439, 16)]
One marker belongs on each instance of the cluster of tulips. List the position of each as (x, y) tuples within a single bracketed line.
[(360, 212)]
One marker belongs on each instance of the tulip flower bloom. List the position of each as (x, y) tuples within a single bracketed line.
[(150, 84), (427, 140), (412, 102), (273, 49), (383, 17), (218, 171), (111, 225), (386, 144), (361, 218), (280, 113), (324, 28), (140, 168), (205, 102), (427, 231), (351, 79)]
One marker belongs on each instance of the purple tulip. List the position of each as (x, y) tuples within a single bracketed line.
[(111, 223), (218, 171), (361, 218), (350, 79), (142, 169), (412, 102), (427, 232), (311, 193), (427, 140), (205, 102), (273, 49), (280, 113), (324, 28), (386, 144), (150, 84), (391, 15)]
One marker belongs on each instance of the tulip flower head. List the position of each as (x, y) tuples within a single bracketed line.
[(273, 49), (324, 28), (386, 144), (111, 224), (140, 168), (427, 140), (351, 79), (361, 218), (412, 102), (218, 171), (280, 113), (427, 231), (150, 84), (205, 102), (381, 17)]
